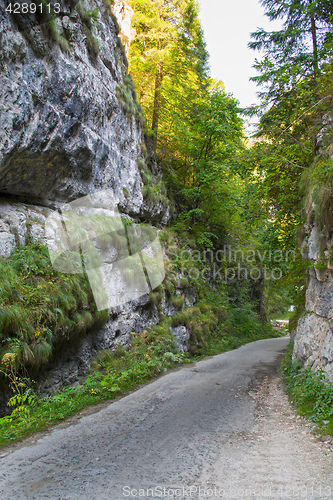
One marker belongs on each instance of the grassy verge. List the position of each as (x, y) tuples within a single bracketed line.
[(38, 304), (112, 375), (307, 392)]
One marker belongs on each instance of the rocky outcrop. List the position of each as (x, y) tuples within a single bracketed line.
[(71, 359), (69, 125), (313, 338), (124, 14), (18, 223)]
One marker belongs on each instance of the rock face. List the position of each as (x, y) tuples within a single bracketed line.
[(124, 14), (64, 133), (18, 222), (313, 338), (70, 127), (71, 359)]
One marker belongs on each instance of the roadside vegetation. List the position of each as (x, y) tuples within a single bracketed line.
[(308, 392), (222, 318), (38, 306)]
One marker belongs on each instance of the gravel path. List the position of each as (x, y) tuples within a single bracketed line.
[(221, 428)]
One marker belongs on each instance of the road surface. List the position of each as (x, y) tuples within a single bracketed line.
[(220, 428)]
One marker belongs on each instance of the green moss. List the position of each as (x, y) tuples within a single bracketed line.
[(127, 97), (154, 192), (120, 44), (57, 36), (141, 164), (37, 302)]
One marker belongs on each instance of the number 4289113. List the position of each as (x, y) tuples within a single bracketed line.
[(32, 8)]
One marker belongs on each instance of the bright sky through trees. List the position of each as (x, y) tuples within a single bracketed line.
[(227, 26)]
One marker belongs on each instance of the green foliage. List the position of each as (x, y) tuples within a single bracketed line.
[(177, 301), (38, 303), (155, 297), (56, 34), (317, 182), (92, 45), (127, 96), (155, 193), (306, 390), (298, 50), (88, 16), (288, 178), (112, 374), (167, 59)]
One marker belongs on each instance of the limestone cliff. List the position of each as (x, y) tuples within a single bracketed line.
[(313, 338), (69, 123), (70, 126)]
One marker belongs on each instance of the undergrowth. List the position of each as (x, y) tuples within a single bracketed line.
[(127, 97), (39, 302), (307, 391), (113, 374), (116, 373)]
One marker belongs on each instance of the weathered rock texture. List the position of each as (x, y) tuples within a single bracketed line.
[(71, 358), (69, 126), (64, 133), (18, 222), (313, 339)]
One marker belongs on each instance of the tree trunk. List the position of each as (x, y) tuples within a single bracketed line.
[(157, 100), (142, 76), (314, 44)]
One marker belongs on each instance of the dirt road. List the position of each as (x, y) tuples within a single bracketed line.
[(221, 428)]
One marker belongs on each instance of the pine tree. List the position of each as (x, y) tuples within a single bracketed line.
[(298, 50), (167, 59)]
